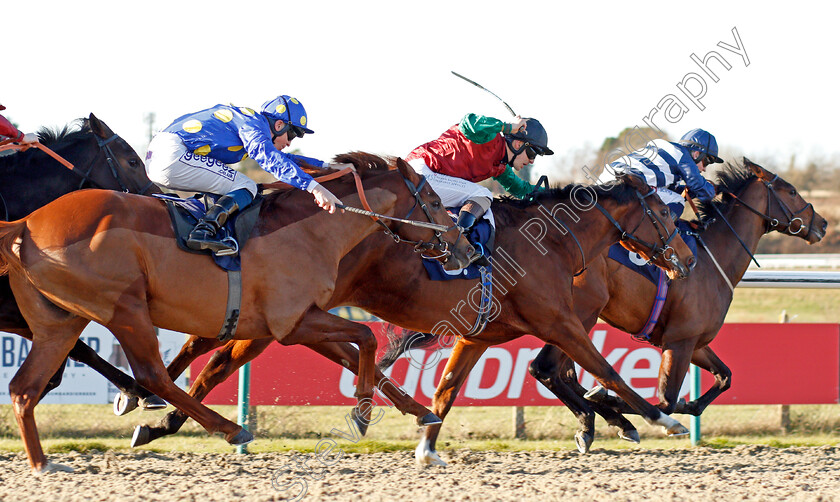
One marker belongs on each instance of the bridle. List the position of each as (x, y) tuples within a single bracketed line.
[(773, 223), (420, 246), (665, 237), (105, 148), (664, 250)]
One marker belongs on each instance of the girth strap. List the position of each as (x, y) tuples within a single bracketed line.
[(234, 302), (486, 301), (658, 303)]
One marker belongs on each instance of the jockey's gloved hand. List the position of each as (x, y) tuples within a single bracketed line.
[(324, 197), (29, 137)]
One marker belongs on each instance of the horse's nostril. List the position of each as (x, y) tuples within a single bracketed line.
[(691, 262), (470, 251)]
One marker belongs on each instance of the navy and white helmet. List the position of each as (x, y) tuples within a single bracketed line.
[(703, 142), (287, 109)]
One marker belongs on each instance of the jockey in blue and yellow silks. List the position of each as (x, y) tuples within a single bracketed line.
[(194, 152)]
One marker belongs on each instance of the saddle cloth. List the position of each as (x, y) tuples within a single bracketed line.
[(185, 213), (479, 235)]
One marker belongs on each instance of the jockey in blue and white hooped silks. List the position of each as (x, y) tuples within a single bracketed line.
[(474, 150), (667, 166), (194, 152)]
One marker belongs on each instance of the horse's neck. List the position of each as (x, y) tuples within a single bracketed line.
[(20, 177), (724, 245), (353, 228)]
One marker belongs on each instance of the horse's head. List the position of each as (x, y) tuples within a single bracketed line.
[(787, 212), (115, 165), (434, 234), (654, 235), (448, 246)]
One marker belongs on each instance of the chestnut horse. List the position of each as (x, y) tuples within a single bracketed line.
[(31, 179), (532, 288), (110, 257), (756, 202)]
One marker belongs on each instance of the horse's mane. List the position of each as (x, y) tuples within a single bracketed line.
[(69, 133), (620, 192), (730, 178)]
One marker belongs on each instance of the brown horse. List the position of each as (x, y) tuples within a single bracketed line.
[(756, 202), (533, 267), (31, 179), (108, 257)]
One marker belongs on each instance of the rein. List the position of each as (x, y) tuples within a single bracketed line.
[(419, 246), (86, 177)]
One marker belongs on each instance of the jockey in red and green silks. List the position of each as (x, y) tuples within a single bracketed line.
[(474, 150)]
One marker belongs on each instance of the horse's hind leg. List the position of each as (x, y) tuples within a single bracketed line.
[(221, 365), (54, 332)]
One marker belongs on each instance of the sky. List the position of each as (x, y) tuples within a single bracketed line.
[(375, 76)]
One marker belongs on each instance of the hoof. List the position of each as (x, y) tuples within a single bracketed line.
[(152, 403), (631, 435), (361, 422), (677, 430), (141, 436), (123, 404), (428, 419), (583, 441), (51, 467), (424, 456), (241, 437), (596, 394)]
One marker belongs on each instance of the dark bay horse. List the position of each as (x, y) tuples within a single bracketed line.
[(31, 179), (756, 202), (534, 264), (111, 258)]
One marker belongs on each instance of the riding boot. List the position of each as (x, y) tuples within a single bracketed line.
[(205, 233), (467, 218)]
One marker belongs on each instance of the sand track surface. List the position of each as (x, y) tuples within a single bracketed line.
[(741, 473)]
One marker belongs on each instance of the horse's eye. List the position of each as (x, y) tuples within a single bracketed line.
[(436, 204), (133, 162), (793, 192)]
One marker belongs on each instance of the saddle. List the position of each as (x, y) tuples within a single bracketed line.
[(481, 235), (185, 213)]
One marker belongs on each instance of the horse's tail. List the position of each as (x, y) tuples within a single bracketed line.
[(9, 235), (398, 344)]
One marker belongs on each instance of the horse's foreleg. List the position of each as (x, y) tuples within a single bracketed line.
[(316, 327), (347, 356), (221, 365), (128, 400), (573, 340), (547, 368), (461, 361), (133, 328), (706, 359)]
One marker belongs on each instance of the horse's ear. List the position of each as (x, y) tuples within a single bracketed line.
[(638, 183), (99, 128), (408, 172), (756, 169)]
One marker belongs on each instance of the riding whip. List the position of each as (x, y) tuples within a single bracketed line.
[(487, 90)]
